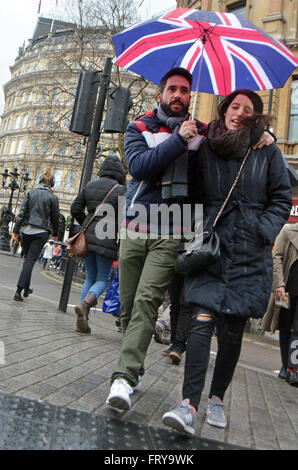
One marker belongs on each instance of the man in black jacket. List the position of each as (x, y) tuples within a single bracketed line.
[(39, 216)]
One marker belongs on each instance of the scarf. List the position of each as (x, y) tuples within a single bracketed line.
[(175, 176), (233, 144)]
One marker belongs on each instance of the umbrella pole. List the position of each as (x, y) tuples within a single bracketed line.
[(199, 77)]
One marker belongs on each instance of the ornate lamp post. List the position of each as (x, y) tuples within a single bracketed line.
[(18, 183)]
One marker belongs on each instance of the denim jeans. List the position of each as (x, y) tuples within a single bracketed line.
[(98, 272), (32, 246), (229, 336)]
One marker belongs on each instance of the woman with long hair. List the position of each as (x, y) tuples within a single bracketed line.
[(237, 287)]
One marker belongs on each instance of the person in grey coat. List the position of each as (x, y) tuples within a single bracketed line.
[(227, 293), (285, 279), (102, 249)]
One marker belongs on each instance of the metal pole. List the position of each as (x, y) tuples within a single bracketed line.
[(87, 171), (270, 101)]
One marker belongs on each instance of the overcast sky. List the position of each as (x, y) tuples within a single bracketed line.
[(17, 23)]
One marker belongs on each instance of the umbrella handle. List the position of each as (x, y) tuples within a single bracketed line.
[(199, 77)]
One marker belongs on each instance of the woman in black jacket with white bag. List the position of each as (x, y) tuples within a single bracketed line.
[(102, 246), (238, 286)]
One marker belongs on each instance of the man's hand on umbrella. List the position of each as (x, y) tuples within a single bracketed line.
[(189, 129), (266, 139)]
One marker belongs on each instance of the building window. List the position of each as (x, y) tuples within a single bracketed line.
[(58, 178), (30, 96), (44, 94), (22, 100), (39, 119), (17, 122), (238, 7), (67, 120), (33, 146), (4, 148), (55, 94), (25, 121), (62, 149), (44, 146), (293, 125), (38, 175), (70, 180), (50, 119), (77, 149), (19, 146), (12, 147)]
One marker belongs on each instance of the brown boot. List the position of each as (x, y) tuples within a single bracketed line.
[(82, 311)]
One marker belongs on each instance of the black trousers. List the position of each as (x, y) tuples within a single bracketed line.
[(32, 246), (288, 334), (229, 336), (180, 314)]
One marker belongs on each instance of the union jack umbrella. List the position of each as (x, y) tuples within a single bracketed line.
[(222, 51)]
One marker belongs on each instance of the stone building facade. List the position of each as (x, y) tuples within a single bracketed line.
[(39, 99)]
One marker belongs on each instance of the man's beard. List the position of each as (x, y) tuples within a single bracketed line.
[(169, 112)]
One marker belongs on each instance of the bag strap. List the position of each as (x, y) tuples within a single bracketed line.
[(231, 190), (100, 206)]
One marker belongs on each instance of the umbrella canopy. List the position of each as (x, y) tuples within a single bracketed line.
[(222, 51)]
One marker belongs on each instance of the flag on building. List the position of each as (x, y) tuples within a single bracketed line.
[(39, 5)]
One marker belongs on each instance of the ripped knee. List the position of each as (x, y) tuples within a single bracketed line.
[(204, 317)]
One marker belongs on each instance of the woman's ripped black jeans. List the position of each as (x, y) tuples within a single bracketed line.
[(229, 330)]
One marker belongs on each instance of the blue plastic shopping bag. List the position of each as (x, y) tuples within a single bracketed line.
[(111, 303)]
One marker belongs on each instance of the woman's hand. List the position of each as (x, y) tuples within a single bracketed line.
[(266, 139), (279, 292)]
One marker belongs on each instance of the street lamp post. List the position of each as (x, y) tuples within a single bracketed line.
[(18, 183)]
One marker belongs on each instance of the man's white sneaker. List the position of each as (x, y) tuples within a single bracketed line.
[(119, 395), (139, 384)]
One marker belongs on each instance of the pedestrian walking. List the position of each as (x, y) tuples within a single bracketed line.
[(157, 151), (38, 217), (153, 144), (48, 254), (285, 319), (238, 286), (102, 246)]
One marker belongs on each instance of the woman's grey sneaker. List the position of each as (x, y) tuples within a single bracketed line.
[(119, 395), (182, 418), (215, 413)]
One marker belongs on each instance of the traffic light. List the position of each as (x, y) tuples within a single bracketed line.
[(82, 115), (119, 104), (68, 222)]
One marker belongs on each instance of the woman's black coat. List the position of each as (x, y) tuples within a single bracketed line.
[(111, 173), (260, 204)]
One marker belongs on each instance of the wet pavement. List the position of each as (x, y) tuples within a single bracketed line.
[(54, 383)]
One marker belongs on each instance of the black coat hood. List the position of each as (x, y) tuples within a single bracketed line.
[(113, 168)]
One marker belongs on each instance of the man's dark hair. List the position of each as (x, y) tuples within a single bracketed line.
[(176, 71)]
